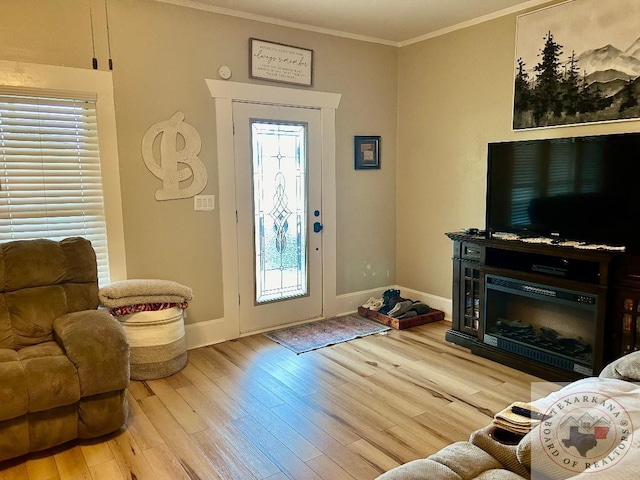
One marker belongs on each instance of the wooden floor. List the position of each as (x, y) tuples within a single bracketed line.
[(251, 409)]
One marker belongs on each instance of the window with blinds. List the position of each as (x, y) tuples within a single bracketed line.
[(50, 180)]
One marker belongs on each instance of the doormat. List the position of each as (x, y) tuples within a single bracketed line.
[(311, 336)]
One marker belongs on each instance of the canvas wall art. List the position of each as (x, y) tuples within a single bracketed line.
[(577, 62)]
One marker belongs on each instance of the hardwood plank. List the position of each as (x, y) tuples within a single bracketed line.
[(221, 397), (165, 464), (345, 458), (139, 390), (130, 458), (12, 471), (373, 455), (328, 469), (201, 359), (358, 367), (275, 450), (190, 421), (96, 453), (71, 464), (140, 427), (177, 380), (323, 418), (228, 438), (227, 465), (44, 468), (183, 446), (386, 403), (106, 471)]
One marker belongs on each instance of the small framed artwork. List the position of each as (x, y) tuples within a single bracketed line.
[(278, 62), (367, 152)]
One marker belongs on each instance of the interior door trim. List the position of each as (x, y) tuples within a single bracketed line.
[(224, 94)]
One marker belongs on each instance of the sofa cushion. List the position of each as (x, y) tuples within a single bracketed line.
[(422, 469), (500, 474), (51, 379), (458, 461), (32, 312), (475, 461), (36, 263), (13, 385), (41, 280)]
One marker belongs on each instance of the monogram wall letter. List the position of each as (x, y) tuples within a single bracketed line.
[(166, 167)]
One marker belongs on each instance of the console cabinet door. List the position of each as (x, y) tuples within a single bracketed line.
[(627, 321), (468, 297)]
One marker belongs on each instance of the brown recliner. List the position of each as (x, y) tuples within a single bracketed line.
[(64, 365)]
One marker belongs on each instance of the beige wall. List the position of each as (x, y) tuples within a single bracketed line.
[(161, 54), (455, 96), (440, 101)]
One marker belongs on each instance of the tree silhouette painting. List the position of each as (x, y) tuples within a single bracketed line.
[(577, 76)]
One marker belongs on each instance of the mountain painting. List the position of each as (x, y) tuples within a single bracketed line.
[(577, 62)]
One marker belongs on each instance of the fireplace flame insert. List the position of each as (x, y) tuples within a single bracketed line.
[(552, 325)]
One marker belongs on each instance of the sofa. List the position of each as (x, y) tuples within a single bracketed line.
[(591, 430), (64, 364)]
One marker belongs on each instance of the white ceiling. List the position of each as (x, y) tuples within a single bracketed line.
[(393, 22)]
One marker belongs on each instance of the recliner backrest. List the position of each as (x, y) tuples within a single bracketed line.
[(41, 280)]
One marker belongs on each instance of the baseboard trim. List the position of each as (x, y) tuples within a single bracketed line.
[(206, 333), (201, 334)]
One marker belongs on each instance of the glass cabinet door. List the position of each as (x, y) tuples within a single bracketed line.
[(470, 284)]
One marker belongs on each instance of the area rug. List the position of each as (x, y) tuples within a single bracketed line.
[(311, 336)]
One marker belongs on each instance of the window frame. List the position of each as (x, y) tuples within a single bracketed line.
[(49, 79)]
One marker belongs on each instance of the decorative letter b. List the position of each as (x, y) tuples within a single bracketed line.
[(167, 167)]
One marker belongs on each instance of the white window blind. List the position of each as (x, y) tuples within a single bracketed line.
[(50, 180)]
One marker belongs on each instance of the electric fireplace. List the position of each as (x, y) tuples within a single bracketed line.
[(552, 325)]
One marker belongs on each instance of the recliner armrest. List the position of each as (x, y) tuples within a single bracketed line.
[(97, 345)]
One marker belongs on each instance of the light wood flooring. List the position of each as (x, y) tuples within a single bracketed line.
[(251, 409)]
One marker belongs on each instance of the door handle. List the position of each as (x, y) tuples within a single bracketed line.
[(317, 227)]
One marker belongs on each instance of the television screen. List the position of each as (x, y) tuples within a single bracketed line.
[(582, 188)]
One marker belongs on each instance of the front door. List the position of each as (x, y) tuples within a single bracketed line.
[(278, 166)]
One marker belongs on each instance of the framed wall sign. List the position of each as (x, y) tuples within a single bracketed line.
[(367, 152), (280, 63)]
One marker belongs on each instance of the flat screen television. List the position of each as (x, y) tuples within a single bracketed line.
[(581, 188)]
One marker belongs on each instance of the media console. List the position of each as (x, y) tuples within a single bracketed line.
[(557, 312)]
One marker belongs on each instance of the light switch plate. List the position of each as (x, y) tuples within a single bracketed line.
[(204, 202)]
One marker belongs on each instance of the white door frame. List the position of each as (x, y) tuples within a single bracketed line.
[(224, 94)]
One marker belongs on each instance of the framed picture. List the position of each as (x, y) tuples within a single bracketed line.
[(278, 62), (577, 62), (367, 152)]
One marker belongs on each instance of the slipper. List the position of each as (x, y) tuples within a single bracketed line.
[(368, 303), (377, 305)]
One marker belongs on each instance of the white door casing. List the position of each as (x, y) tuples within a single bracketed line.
[(224, 94)]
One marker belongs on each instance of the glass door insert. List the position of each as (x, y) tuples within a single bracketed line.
[(279, 169)]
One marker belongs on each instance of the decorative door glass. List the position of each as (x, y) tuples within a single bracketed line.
[(279, 156)]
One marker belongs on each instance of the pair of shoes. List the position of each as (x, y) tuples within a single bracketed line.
[(400, 308), (373, 304), (390, 298), (420, 308)]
